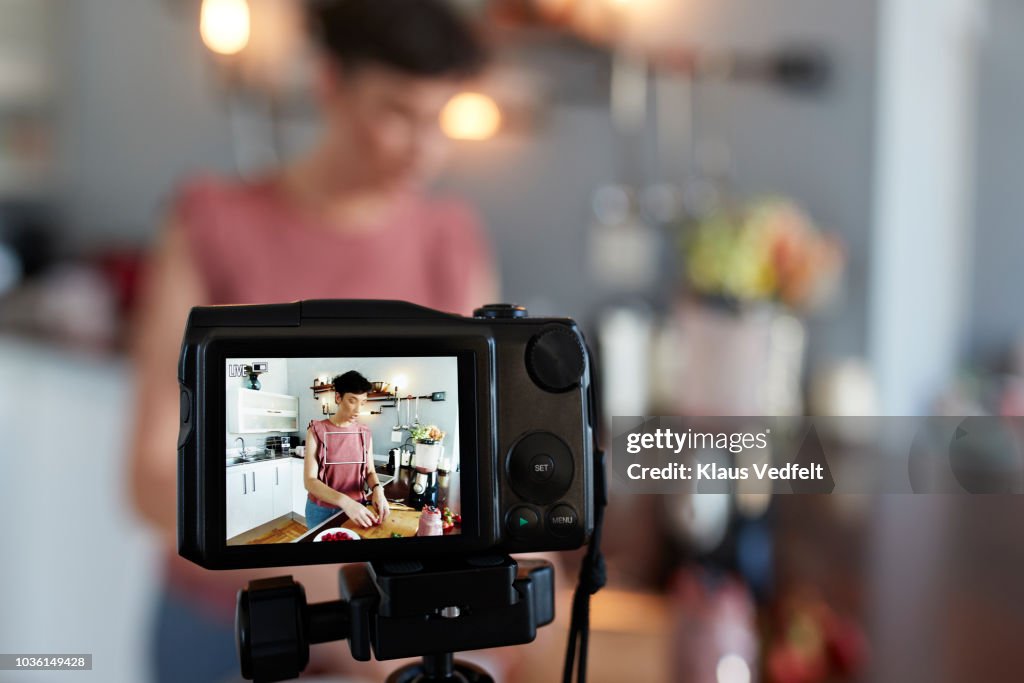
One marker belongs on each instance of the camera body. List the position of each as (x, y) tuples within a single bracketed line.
[(522, 417)]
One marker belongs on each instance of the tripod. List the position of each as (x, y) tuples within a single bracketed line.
[(399, 609)]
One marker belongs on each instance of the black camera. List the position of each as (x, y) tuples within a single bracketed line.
[(479, 433)]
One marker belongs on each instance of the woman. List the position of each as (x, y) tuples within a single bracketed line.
[(339, 460), (348, 220)]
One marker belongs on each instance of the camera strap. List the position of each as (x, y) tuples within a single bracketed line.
[(593, 576)]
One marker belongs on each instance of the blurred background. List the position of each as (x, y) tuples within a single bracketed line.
[(774, 207)]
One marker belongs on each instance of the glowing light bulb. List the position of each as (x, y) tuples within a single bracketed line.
[(224, 25), (399, 381), (470, 116)]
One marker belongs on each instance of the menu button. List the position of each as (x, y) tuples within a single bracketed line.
[(562, 520)]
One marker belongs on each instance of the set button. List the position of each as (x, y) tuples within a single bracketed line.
[(540, 468)]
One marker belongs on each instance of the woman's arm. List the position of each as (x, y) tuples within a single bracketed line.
[(311, 473), (171, 287), (380, 501), (371, 468)]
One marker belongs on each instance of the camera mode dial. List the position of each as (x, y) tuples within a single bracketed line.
[(501, 311), (555, 359)]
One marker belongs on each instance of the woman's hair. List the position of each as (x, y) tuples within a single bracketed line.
[(351, 382), (418, 37)]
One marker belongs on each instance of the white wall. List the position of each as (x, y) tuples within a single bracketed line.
[(140, 111), (922, 247)]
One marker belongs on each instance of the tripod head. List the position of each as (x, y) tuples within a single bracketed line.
[(398, 609)]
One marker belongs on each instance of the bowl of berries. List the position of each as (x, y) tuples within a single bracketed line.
[(336, 534)]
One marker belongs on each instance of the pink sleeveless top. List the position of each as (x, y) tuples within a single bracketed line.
[(252, 244), (343, 458)]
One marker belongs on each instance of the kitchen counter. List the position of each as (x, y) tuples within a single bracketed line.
[(449, 494)]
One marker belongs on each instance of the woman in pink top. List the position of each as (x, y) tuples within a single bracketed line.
[(339, 460), (347, 220)]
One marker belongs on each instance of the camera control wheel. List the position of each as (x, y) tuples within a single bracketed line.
[(555, 359), (540, 468)]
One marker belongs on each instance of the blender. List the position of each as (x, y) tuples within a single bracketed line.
[(424, 482)]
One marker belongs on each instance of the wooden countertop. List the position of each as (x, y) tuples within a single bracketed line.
[(397, 492)]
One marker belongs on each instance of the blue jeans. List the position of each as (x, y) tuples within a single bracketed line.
[(189, 645), (318, 514)]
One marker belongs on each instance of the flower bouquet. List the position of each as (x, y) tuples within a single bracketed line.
[(766, 252), (427, 434), (749, 272)]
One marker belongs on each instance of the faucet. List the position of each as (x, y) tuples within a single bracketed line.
[(243, 452)]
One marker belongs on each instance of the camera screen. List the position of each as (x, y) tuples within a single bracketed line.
[(325, 450)]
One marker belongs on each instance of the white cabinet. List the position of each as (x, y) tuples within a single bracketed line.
[(282, 487), (237, 500), (261, 412), (298, 487), (262, 494), (253, 495)]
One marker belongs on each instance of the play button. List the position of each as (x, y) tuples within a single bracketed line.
[(522, 522)]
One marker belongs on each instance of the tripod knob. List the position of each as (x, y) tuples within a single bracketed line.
[(270, 630)]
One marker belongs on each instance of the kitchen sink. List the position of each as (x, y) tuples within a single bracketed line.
[(254, 456), (251, 456)]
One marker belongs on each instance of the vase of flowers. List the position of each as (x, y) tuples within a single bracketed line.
[(751, 273), (429, 449)]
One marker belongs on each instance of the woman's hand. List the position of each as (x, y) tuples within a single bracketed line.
[(380, 502), (358, 513)]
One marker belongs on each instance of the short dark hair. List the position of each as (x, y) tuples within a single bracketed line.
[(351, 382), (418, 37)]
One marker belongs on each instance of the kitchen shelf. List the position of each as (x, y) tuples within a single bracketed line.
[(373, 395)]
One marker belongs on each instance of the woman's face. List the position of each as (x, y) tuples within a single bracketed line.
[(349, 405), (387, 123)]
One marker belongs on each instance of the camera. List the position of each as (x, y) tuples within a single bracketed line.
[(475, 433)]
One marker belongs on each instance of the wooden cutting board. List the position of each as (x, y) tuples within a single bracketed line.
[(402, 520)]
